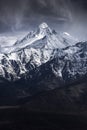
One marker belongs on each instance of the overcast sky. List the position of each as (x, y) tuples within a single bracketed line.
[(67, 15)]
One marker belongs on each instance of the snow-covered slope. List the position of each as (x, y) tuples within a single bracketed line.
[(7, 40), (67, 39)]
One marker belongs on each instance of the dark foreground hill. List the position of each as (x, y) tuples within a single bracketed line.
[(23, 119)]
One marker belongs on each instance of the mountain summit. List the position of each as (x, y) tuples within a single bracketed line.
[(44, 29), (43, 26)]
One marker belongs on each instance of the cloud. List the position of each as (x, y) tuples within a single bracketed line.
[(23, 14), (13, 14)]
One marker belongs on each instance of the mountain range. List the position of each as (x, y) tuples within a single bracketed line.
[(43, 60)]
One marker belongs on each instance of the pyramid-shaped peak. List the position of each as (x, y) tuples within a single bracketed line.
[(43, 25)]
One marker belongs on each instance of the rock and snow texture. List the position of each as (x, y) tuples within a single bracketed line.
[(44, 46)]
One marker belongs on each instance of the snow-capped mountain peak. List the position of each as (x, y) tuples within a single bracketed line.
[(43, 26), (35, 40), (44, 29), (43, 37)]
